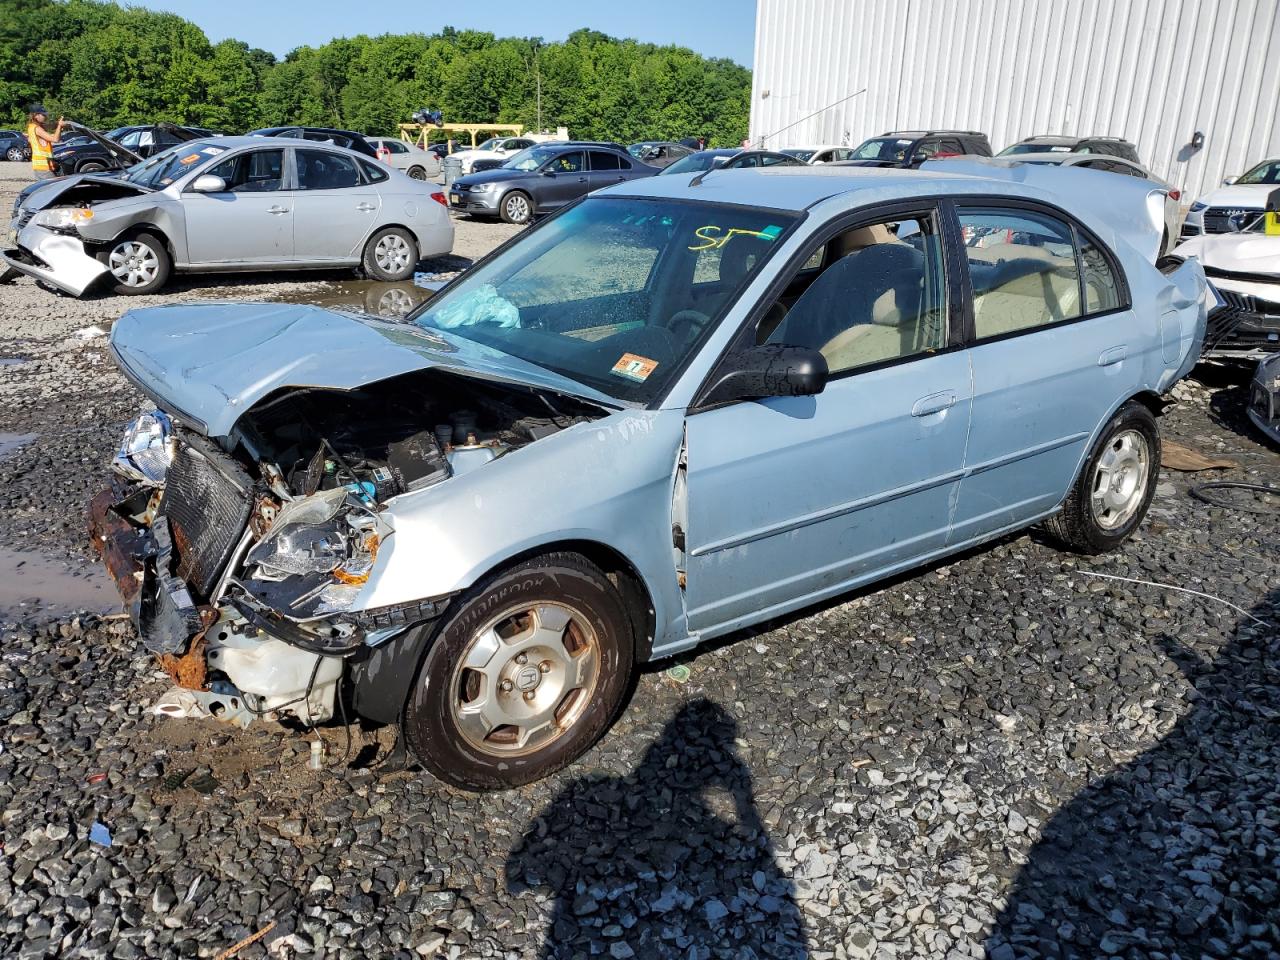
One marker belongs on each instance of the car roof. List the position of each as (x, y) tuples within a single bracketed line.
[(796, 188), (929, 133), (258, 140)]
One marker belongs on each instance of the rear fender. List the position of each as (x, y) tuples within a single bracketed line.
[(1184, 311)]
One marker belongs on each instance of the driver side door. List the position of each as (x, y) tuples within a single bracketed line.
[(251, 222), (564, 179), (794, 499)]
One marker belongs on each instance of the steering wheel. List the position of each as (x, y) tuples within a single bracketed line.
[(687, 324)]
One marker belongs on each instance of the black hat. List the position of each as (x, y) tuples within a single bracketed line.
[(37, 108)]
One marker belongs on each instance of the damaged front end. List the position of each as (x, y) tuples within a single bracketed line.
[(244, 561), (1264, 397)]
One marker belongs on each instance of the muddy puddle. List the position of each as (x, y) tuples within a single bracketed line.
[(33, 586), (390, 301), (10, 443)]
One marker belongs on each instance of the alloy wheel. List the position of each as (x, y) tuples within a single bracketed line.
[(525, 678), (133, 264), (1120, 479), (392, 253), (517, 208)]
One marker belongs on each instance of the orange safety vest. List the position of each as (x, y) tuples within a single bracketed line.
[(41, 151)]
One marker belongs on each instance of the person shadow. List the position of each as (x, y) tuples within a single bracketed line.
[(1177, 853), (671, 860)]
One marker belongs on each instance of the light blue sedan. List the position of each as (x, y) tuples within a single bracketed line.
[(675, 409)]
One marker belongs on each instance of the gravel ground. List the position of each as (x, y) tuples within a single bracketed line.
[(999, 756)]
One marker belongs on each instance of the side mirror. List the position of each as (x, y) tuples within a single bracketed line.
[(548, 172), (208, 183), (769, 370), (1228, 181)]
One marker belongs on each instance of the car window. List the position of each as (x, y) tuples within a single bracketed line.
[(1267, 172), (771, 159), (131, 141), (395, 146), (602, 160), (521, 144), (372, 172), (322, 170), (255, 172), (1023, 268), (1101, 286), (882, 148), (881, 297), (567, 163)]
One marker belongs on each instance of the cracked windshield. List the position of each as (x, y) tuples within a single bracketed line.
[(614, 294)]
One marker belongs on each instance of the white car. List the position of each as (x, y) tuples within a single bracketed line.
[(416, 162), (1236, 205), (495, 147), (823, 153)]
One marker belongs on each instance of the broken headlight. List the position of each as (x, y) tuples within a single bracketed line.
[(316, 557), (147, 449), (63, 218)]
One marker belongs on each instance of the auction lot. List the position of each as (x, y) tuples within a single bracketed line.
[(999, 756)]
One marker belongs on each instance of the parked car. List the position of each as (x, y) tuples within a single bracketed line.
[(493, 163), (1117, 165), (670, 412), (227, 204), (1244, 267), (910, 148), (731, 159), (341, 138), (88, 151), (413, 160), (543, 178), (495, 148), (1237, 205), (1053, 143), (819, 154), (659, 153), (14, 146)]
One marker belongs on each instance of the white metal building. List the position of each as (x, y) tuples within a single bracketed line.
[(1155, 72)]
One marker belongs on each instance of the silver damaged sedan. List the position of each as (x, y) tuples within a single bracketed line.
[(226, 204)]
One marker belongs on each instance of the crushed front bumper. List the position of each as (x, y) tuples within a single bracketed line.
[(1264, 397), (58, 259), (1247, 326)]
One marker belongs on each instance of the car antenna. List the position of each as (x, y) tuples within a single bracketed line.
[(700, 177)]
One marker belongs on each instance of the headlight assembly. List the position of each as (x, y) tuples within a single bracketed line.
[(1197, 207), (63, 218), (483, 188)]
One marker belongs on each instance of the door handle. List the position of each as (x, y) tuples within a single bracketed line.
[(366, 207), (277, 210), (582, 179), (1112, 356), (934, 403)]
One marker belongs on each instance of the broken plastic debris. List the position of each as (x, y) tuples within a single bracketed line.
[(179, 702), (145, 452), (482, 305), (679, 673), (95, 778), (99, 834), (89, 333), (317, 755)]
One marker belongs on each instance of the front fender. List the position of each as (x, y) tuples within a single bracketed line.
[(608, 482)]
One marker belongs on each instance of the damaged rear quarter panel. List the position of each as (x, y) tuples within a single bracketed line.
[(608, 482)]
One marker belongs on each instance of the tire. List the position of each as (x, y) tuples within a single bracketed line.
[(391, 254), (137, 264), (1124, 462), (416, 173), (563, 615), (14, 155), (516, 207), (91, 167)]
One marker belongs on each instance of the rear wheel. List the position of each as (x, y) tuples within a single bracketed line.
[(92, 167), (516, 207), (527, 674), (138, 264), (1115, 487), (417, 173), (391, 254), (14, 155)]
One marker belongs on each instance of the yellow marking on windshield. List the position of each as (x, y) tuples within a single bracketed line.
[(714, 242)]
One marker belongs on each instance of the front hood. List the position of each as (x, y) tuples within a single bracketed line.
[(492, 176), (1234, 252), (45, 193), (1250, 196), (123, 154), (209, 363)]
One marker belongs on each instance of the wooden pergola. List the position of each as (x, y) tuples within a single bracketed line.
[(419, 135)]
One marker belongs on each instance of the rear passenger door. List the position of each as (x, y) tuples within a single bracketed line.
[(1055, 349), (606, 168), (335, 209)]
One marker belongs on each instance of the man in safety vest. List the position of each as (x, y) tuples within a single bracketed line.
[(42, 142)]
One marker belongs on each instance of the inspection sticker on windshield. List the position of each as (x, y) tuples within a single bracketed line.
[(187, 161), (213, 151), (635, 367)]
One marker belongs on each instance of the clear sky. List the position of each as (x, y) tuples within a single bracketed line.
[(714, 28)]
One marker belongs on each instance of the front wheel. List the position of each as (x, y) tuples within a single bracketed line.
[(138, 265), (530, 670), (391, 254), (92, 167), (516, 207), (1116, 485)]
